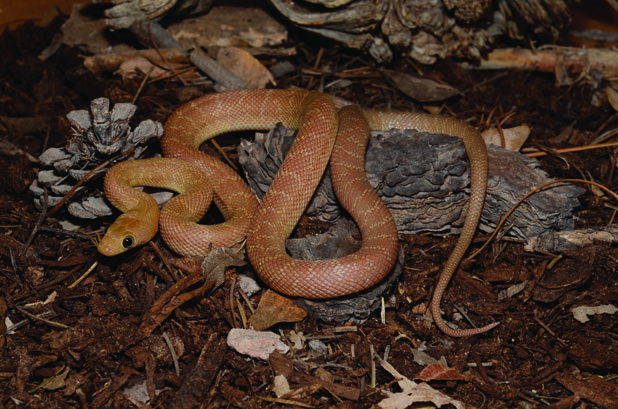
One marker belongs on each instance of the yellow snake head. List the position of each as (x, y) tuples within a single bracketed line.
[(127, 232)]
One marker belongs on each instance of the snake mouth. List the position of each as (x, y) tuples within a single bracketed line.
[(107, 251)]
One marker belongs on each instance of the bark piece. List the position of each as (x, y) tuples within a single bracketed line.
[(229, 26), (340, 240), (424, 181), (555, 242), (429, 30), (196, 387)]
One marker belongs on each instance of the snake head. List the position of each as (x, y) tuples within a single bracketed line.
[(127, 232)]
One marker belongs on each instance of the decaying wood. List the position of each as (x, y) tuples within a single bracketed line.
[(427, 31), (555, 242), (341, 240), (552, 59), (423, 179), (111, 62)]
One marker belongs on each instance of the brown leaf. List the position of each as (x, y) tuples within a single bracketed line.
[(245, 66), (273, 309), (218, 260), (592, 388), (412, 392), (133, 67), (514, 137), (281, 364), (420, 89), (612, 97), (439, 372)]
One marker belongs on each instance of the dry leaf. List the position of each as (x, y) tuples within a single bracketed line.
[(273, 309), (420, 89), (215, 263), (424, 359), (54, 382), (612, 97), (282, 387), (137, 393), (256, 344), (297, 339), (591, 387), (439, 372), (581, 313), (412, 392), (245, 66), (281, 364), (137, 66), (514, 138), (512, 291)]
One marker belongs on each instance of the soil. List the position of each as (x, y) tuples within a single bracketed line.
[(98, 338)]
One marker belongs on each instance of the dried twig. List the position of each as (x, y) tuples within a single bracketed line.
[(549, 58), (530, 193)]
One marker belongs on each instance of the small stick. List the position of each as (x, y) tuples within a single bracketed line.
[(530, 193), (38, 224), (573, 59), (48, 322)]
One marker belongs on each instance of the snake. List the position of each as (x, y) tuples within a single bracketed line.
[(324, 133)]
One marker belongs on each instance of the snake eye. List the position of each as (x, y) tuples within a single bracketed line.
[(128, 242)]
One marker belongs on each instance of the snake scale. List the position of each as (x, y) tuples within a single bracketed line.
[(323, 134)]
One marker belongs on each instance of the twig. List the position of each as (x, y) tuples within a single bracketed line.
[(372, 353), (285, 402), (84, 179), (225, 156), (495, 77), (13, 328), (163, 259), (168, 341), (168, 41), (217, 72), (58, 279), (14, 265), (36, 318), (241, 311), (74, 234), (574, 149), (232, 303), (161, 308), (38, 224), (542, 324), (79, 280), (102, 396), (244, 296), (74, 188), (530, 193), (141, 85), (573, 59)]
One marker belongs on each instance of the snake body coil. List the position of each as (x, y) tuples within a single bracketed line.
[(323, 133)]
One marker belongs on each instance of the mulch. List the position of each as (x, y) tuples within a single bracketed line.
[(97, 341)]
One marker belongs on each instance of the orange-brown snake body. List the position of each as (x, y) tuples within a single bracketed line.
[(323, 134)]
